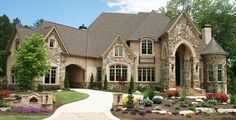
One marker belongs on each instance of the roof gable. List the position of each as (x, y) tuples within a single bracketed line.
[(118, 38), (173, 23), (214, 48)]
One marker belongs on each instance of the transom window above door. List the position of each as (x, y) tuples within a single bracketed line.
[(118, 51)]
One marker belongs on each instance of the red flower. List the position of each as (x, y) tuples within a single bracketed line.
[(5, 93), (171, 93), (218, 96)]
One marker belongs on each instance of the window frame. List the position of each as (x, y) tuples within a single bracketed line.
[(50, 74), (119, 51), (219, 71), (118, 70), (146, 74), (54, 42), (145, 48)]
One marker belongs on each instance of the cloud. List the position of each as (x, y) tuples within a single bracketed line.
[(134, 6)]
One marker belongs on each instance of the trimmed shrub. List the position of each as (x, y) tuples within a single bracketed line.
[(3, 104), (233, 99), (105, 83), (208, 105), (157, 100), (1, 86), (130, 102), (147, 102), (167, 105), (131, 84), (149, 93), (91, 82), (39, 87), (66, 82)]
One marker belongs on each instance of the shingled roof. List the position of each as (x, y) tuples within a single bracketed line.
[(107, 26), (213, 48)]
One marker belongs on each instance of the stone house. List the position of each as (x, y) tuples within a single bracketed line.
[(122, 45)]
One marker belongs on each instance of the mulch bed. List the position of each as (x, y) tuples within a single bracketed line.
[(172, 108), (55, 106)]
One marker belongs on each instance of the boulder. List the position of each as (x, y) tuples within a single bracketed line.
[(158, 97), (204, 110), (186, 112), (137, 92), (226, 110), (199, 100), (194, 103), (161, 112), (154, 111), (5, 109)]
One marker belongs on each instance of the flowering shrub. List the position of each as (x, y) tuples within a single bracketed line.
[(31, 109), (171, 93), (125, 100), (220, 97), (5, 93)]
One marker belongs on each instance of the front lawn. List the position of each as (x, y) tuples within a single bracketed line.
[(21, 117), (66, 97)]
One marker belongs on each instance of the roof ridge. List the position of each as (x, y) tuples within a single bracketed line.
[(61, 24)]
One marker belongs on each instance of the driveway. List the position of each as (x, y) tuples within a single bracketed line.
[(96, 107)]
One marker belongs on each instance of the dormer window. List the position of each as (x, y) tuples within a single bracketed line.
[(17, 43), (147, 47), (118, 51), (51, 43)]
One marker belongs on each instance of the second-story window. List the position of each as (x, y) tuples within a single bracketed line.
[(118, 51), (147, 46), (219, 72), (51, 43)]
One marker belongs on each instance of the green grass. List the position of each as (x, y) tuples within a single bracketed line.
[(66, 97), (21, 117)]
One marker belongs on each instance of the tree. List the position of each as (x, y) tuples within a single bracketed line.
[(17, 22), (164, 83), (91, 82), (105, 84), (131, 84), (66, 81), (31, 61), (130, 102), (38, 23), (6, 29)]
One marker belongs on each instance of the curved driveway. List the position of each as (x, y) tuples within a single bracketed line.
[(96, 107)]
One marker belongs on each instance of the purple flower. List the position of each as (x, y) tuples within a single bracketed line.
[(31, 109)]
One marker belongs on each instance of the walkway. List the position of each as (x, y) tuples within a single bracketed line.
[(96, 107)]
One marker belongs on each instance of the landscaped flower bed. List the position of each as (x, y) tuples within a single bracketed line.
[(31, 109)]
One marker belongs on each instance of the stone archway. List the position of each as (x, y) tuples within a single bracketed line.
[(76, 76), (183, 65)]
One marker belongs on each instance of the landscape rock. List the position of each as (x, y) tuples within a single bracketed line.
[(199, 100), (137, 92), (186, 112), (162, 112), (226, 110), (158, 97), (154, 111), (204, 110), (5, 109), (194, 103)]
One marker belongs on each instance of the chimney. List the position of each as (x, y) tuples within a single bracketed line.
[(82, 27), (206, 33)]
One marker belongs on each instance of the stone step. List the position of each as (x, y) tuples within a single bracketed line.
[(193, 91)]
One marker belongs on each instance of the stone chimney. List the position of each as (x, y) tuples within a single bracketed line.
[(206, 33)]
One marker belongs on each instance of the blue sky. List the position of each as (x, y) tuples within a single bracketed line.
[(72, 12)]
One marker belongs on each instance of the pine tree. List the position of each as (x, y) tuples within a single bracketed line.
[(66, 82), (105, 83), (91, 83), (131, 84)]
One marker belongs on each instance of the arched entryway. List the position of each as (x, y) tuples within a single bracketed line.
[(183, 64), (76, 76)]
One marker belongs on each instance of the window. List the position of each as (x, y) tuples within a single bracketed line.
[(17, 43), (50, 78), (118, 73), (14, 76), (147, 47), (211, 72), (118, 51), (99, 74), (51, 43), (146, 74), (220, 72)]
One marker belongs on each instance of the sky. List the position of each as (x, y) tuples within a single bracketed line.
[(72, 12)]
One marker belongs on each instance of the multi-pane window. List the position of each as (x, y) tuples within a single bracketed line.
[(211, 72), (50, 78), (51, 43), (118, 73), (99, 74), (146, 74), (118, 51), (219, 72), (147, 47)]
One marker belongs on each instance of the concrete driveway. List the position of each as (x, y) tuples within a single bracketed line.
[(96, 107)]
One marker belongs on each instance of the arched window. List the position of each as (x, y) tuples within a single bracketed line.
[(147, 46), (118, 51), (118, 73)]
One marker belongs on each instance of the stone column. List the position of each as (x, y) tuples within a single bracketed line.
[(172, 83), (196, 75)]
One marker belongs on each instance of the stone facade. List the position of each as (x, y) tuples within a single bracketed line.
[(179, 47)]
